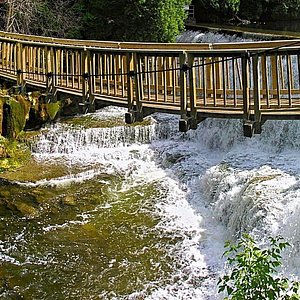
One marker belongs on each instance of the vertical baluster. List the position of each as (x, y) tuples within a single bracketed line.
[(224, 78), (130, 79), (277, 81), (234, 81), (94, 72), (256, 91), (204, 80), (209, 79), (245, 84), (114, 57), (265, 79), (214, 80), (67, 68), (156, 77), (174, 82), (192, 86), (19, 64), (183, 88), (34, 62), (123, 60), (100, 66), (289, 81), (164, 78), (148, 76)]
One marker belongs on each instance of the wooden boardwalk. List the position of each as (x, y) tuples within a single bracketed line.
[(253, 81)]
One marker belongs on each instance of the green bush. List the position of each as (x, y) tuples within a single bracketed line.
[(253, 271)]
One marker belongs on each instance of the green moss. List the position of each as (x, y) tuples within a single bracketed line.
[(14, 154), (27, 210), (27, 136), (18, 114), (52, 109), (89, 121)]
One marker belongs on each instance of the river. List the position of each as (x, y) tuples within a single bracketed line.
[(106, 210)]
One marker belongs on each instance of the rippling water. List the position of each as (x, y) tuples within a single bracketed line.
[(145, 217)]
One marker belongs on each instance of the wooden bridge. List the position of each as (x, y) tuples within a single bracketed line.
[(254, 81)]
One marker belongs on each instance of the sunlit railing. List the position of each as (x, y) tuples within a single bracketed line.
[(252, 81)]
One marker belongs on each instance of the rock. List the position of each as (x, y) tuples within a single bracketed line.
[(2, 101), (16, 112), (69, 200), (27, 210), (3, 152), (52, 109)]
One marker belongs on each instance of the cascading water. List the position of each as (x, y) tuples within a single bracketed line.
[(142, 212)]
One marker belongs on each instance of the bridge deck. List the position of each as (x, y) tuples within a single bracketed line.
[(253, 81)]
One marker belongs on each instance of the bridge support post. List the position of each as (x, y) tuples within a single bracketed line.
[(138, 87), (193, 94), (88, 99), (248, 127), (51, 90), (130, 116), (184, 124), (134, 89), (253, 123), (19, 65)]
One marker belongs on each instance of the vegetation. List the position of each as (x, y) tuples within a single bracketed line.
[(253, 270), (128, 20), (139, 20), (246, 10), (12, 154)]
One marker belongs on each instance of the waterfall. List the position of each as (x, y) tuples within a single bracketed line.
[(222, 180), (148, 203)]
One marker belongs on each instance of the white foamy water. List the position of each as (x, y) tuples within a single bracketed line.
[(219, 184)]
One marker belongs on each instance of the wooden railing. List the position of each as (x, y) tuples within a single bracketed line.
[(252, 81)]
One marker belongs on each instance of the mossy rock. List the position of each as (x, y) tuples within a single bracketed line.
[(27, 210), (12, 154), (90, 121), (69, 200), (18, 200), (53, 109), (16, 113), (2, 101)]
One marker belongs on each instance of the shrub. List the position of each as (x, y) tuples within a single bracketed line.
[(253, 271)]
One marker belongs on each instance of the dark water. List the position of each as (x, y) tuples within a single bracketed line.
[(284, 26)]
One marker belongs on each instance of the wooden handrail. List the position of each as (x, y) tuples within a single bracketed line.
[(252, 81)]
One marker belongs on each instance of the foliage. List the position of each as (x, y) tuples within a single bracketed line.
[(140, 20), (252, 10), (288, 9), (57, 18), (60, 18), (226, 6), (216, 10), (253, 272)]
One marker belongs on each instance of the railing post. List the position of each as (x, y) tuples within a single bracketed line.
[(19, 66), (50, 73), (248, 125), (138, 87), (256, 95), (193, 95), (88, 99), (183, 122), (130, 116)]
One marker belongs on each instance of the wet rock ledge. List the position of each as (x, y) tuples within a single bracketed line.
[(20, 112)]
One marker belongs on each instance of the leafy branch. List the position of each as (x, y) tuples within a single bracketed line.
[(253, 272)]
